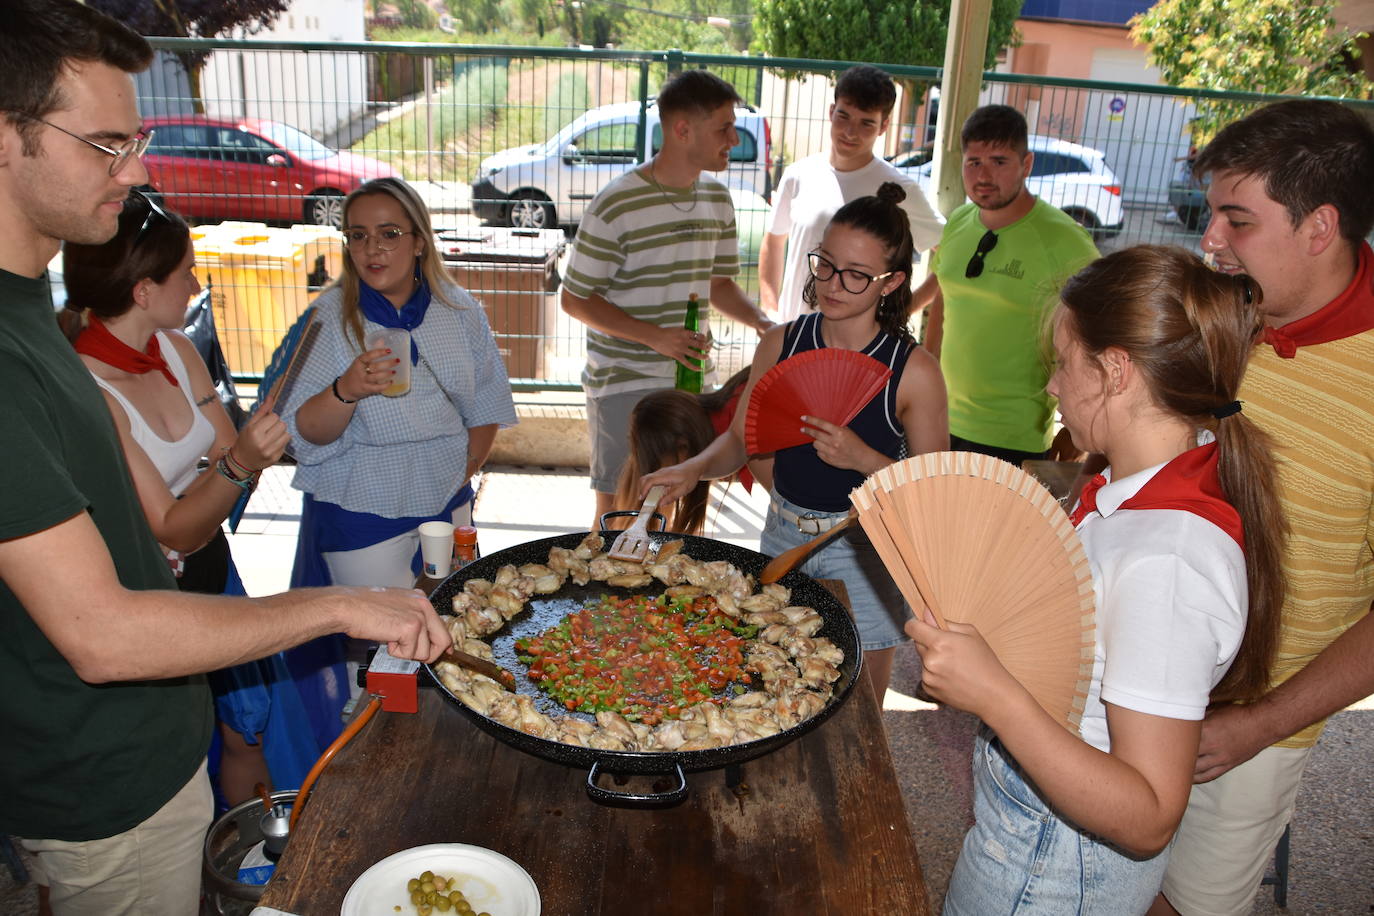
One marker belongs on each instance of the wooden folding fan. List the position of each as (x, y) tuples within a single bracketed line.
[(980, 541), (829, 383)]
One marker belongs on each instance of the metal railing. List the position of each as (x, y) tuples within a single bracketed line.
[(433, 113)]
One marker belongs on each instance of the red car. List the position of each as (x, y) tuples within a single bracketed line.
[(245, 168)]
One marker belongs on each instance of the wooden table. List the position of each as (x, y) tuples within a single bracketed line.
[(818, 826)]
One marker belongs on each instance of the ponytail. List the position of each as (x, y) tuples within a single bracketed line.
[(1190, 331)]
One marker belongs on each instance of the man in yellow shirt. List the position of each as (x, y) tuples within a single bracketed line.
[(1291, 206)]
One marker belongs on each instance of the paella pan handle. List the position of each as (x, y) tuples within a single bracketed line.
[(633, 513), (634, 799)]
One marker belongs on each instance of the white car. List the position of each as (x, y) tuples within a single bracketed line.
[(1074, 178), (549, 184)]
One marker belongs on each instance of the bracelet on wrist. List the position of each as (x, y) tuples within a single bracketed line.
[(334, 387), (242, 469), (223, 469)]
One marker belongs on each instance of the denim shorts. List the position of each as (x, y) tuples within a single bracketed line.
[(879, 611), (1020, 858)]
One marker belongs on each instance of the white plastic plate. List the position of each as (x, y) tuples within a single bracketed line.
[(490, 881)]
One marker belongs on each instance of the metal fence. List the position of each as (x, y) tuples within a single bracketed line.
[(252, 157)]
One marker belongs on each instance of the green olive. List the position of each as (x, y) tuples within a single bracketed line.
[(427, 886), (413, 885), (440, 883), (427, 876), (442, 905), (456, 897), (416, 898)]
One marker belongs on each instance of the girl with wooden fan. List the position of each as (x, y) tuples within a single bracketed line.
[(1182, 533), (861, 293)]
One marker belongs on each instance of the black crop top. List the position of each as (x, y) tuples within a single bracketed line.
[(799, 474)]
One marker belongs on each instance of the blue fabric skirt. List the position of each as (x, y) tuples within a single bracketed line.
[(261, 698)]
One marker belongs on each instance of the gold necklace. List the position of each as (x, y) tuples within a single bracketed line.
[(654, 178)]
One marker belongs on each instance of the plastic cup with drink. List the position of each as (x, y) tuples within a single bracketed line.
[(397, 340)]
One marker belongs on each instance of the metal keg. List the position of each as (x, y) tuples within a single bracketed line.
[(237, 832)]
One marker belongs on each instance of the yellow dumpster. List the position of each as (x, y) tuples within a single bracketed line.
[(323, 247), (267, 271)]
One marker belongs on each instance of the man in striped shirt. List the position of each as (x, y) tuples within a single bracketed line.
[(652, 238), (1290, 192)]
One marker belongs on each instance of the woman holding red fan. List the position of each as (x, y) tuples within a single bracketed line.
[(860, 290)]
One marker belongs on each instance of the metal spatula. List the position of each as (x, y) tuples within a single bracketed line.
[(632, 545)]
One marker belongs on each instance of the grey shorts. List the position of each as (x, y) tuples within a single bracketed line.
[(877, 603), (608, 427)]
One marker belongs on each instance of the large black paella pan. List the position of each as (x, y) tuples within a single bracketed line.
[(544, 611)]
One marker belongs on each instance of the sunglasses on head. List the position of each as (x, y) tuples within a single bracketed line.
[(155, 212), (975, 263)]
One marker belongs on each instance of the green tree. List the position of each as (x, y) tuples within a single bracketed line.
[(1289, 47), (414, 14), (908, 32), (480, 16)]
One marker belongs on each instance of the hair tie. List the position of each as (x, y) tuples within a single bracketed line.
[(1226, 410)]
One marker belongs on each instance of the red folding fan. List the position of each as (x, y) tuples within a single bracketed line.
[(829, 383)]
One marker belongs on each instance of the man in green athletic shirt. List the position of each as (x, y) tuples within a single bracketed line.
[(999, 266)]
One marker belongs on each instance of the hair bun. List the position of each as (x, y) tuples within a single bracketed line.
[(891, 192)]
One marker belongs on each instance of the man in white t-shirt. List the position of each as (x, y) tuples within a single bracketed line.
[(814, 188)]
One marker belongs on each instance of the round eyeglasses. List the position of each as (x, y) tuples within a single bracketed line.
[(136, 145), (853, 281), (386, 240)]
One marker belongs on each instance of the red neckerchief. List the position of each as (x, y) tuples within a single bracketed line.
[(720, 422), (1350, 313), (1189, 482), (97, 342), (1087, 500)]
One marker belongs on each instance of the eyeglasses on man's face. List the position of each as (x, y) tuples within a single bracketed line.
[(975, 263), (853, 281), (386, 239), (136, 145)]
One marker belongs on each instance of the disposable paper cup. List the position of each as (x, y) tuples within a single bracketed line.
[(436, 548), (398, 341)]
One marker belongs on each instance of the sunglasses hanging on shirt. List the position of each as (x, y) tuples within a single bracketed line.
[(975, 263)]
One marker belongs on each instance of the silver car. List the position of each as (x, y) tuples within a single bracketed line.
[(549, 184)]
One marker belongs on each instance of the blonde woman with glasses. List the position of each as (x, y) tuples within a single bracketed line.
[(374, 464)]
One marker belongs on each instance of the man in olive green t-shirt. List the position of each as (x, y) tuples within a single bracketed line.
[(999, 266), (106, 718)]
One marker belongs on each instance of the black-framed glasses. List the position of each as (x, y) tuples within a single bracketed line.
[(975, 263), (853, 281), (155, 212), (136, 145), (386, 240)]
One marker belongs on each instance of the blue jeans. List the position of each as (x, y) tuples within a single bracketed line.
[(1020, 858), (879, 610)]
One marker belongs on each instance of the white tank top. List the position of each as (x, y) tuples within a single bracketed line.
[(177, 461)]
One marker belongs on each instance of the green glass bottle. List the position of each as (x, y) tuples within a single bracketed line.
[(690, 379)]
